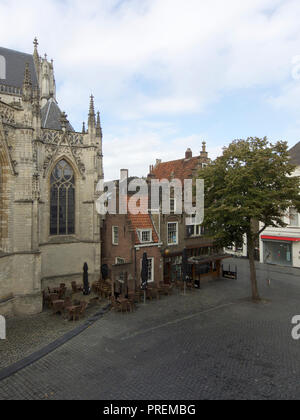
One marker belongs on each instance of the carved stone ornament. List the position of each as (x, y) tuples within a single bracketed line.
[(6, 149), (62, 144)]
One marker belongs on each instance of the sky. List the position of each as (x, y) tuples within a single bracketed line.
[(168, 74)]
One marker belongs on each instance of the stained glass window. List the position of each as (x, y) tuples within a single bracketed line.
[(62, 200)]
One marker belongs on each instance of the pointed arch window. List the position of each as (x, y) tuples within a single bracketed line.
[(62, 200)]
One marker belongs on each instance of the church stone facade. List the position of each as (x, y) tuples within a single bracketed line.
[(48, 172)]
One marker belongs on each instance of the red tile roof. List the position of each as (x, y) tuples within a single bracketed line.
[(180, 169), (142, 221)]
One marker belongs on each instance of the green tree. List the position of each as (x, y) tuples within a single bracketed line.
[(251, 182)]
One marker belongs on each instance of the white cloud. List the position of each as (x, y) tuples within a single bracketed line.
[(142, 58), (194, 49), (137, 150)]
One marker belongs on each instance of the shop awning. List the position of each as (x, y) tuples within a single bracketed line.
[(281, 238), (208, 259)]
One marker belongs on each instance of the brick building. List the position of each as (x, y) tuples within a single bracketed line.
[(175, 234), (125, 238)]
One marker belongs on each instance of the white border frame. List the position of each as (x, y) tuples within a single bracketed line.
[(177, 234)]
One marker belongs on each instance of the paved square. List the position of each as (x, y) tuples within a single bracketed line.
[(211, 344)]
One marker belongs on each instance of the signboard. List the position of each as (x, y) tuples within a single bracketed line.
[(228, 274)]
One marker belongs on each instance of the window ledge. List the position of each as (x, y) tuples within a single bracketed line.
[(62, 239)]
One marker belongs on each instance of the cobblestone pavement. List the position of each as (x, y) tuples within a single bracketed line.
[(211, 344), (25, 335)]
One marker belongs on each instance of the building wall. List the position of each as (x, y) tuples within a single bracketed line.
[(125, 248), (152, 252), (20, 284), (183, 240), (128, 250), (30, 258), (285, 232)]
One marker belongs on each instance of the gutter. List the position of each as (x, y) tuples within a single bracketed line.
[(148, 245)]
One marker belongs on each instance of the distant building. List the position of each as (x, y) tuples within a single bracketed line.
[(281, 246), (48, 223), (238, 250)]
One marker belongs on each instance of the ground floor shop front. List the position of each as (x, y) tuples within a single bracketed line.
[(203, 263), (280, 250)]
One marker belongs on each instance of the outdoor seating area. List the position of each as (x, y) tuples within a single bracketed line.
[(128, 302), (69, 303)]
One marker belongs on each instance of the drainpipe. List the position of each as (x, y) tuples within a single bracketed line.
[(135, 271)]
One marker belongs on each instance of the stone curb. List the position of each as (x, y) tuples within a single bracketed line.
[(34, 357)]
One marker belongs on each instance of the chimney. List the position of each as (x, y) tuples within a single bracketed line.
[(151, 173), (158, 162), (188, 154), (123, 174)]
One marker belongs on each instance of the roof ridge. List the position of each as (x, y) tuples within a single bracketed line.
[(176, 160), (16, 51), (47, 115)]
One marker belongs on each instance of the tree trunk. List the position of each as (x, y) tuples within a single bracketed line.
[(255, 294)]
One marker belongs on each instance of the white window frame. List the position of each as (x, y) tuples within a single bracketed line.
[(176, 242), (140, 235), (152, 268), (114, 241), (197, 228), (118, 259)]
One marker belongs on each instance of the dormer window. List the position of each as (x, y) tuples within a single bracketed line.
[(2, 67), (120, 260), (145, 235)]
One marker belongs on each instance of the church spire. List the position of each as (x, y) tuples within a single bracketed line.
[(98, 126), (36, 57), (92, 116), (35, 43)]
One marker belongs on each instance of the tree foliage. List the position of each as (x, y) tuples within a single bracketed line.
[(251, 181)]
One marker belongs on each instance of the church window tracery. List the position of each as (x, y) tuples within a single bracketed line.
[(62, 200)]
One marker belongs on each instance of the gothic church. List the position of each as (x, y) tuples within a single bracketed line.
[(48, 172)]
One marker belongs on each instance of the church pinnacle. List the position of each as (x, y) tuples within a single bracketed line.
[(35, 43), (36, 57), (92, 116), (98, 126)]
